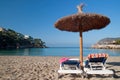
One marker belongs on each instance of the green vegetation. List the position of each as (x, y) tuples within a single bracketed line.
[(117, 42), (12, 39)]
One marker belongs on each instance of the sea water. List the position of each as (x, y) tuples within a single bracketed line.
[(57, 51)]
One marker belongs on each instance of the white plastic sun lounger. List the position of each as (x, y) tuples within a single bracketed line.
[(106, 71), (99, 72), (69, 69), (97, 68)]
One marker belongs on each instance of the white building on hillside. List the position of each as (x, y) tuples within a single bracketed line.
[(26, 36), (2, 29)]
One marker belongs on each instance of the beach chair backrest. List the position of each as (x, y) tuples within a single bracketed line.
[(97, 57), (63, 59)]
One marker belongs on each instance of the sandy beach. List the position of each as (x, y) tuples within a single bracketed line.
[(45, 68)]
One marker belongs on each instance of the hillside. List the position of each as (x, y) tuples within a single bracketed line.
[(108, 40), (108, 43), (12, 39)]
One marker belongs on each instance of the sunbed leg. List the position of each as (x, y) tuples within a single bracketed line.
[(58, 76), (85, 75), (82, 76), (111, 75)]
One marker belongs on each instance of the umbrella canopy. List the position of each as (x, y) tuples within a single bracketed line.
[(82, 22)]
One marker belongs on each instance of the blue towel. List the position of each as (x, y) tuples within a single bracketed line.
[(71, 62)]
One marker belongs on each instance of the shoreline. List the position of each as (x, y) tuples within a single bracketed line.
[(45, 68), (105, 46)]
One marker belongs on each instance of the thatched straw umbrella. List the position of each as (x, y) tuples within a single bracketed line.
[(82, 22)]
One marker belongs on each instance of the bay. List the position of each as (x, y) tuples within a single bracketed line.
[(57, 51)]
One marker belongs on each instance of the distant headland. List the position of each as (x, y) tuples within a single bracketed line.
[(108, 43), (10, 39)]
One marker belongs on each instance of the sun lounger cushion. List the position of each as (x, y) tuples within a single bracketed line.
[(63, 59), (97, 55), (71, 62), (101, 59)]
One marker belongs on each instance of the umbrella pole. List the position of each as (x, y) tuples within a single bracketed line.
[(81, 50)]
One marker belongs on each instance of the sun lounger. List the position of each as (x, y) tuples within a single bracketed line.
[(69, 66), (96, 64)]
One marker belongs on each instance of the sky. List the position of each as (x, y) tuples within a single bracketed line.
[(37, 18)]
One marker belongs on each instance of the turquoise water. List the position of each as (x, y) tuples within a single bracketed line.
[(69, 51)]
